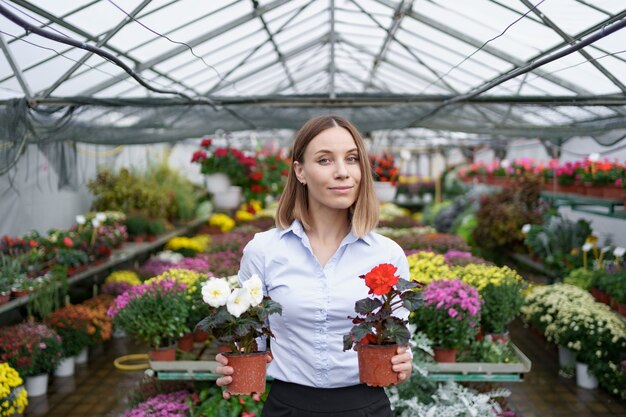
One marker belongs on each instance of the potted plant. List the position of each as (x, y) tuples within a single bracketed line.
[(137, 227), (238, 317), (70, 323), (502, 302), (154, 313), (33, 350), (385, 175), (13, 396), (377, 333), (449, 317)]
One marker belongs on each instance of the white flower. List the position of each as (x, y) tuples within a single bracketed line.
[(80, 219), (215, 292), (619, 252), (101, 216), (505, 163), (169, 256), (95, 222), (594, 157), (526, 228), (587, 247), (238, 302), (255, 288), (605, 249)]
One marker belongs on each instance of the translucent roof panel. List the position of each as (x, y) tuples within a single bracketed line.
[(417, 62)]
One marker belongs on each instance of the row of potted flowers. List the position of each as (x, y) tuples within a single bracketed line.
[(56, 344), (591, 176), (569, 317)]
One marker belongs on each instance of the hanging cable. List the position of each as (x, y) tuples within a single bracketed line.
[(604, 32), (134, 19), (98, 51)]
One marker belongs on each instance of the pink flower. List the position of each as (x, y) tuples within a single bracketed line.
[(452, 312), (42, 345)]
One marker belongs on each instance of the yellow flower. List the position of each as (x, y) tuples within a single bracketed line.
[(128, 277), (428, 266), (244, 216), (181, 242), (222, 221), (191, 279), (10, 382)]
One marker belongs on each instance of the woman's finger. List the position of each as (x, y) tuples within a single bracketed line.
[(221, 359), (223, 381)]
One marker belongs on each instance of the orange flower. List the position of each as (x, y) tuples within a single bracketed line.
[(381, 279)]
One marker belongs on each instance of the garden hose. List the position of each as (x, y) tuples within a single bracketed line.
[(120, 363)]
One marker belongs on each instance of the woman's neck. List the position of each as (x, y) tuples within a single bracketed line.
[(329, 225)]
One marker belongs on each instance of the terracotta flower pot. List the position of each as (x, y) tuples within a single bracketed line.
[(200, 336), (248, 373), (600, 296), (444, 355), (167, 354), (375, 365), (4, 297), (185, 343), (621, 308)]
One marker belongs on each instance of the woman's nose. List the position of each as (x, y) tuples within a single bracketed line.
[(341, 171)]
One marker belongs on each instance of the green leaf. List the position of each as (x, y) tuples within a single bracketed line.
[(412, 300), (367, 305), (404, 285)]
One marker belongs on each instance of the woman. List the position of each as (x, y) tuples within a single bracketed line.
[(310, 264)]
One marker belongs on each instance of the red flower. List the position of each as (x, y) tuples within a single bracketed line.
[(256, 176), (369, 338), (68, 242), (198, 156), (206, 143), (221, 152), (381, 279), (256, 188)]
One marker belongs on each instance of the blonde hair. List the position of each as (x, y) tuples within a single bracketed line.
[(293, 204)]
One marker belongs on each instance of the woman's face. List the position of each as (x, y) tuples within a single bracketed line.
[(330, 170)]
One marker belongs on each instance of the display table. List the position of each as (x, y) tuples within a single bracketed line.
[(127, 252)]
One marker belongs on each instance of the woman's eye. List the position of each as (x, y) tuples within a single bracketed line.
[(323, 161), (353, 158)]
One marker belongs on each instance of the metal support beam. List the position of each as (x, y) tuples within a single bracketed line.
[(331, 64), (16, 69), (463, 37), (567, 38), (294, 52), (101, 42), (391, 33), (183, 48), (276, 49)]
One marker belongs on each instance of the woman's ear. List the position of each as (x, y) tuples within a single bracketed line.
[(297, 169)]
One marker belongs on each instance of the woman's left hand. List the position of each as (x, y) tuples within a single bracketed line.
[(402, 363)]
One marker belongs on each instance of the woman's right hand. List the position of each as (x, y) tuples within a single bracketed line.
[(226, 372)]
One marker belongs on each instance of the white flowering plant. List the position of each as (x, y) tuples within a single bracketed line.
[(238, 316)]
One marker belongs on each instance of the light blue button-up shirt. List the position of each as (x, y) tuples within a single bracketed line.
[(316, 300)]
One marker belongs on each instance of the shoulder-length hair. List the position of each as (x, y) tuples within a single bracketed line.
[(293, 204)]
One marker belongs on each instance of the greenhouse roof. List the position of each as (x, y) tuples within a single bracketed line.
[(142, 71)]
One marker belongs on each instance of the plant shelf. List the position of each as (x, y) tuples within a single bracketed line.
[(479, 371)]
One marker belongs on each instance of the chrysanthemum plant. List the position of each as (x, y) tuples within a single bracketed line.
[(239, 316), (375, 322)]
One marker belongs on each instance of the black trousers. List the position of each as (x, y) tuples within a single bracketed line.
[(292, 400)]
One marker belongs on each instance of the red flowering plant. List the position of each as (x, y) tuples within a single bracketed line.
[(30, 348), (384, 168), (375, 322), (79, 327), (230, 161)]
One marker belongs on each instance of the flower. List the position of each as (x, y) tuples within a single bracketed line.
[(155, 312), (375, 322), (238, 321), (174, 404), (31, 349), (215, 292), (187, 246), (78, 326), (223, 221), (384, 168), (450, 314), (13, 399), (230, 161)]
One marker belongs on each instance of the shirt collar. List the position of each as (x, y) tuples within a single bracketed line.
[(297, 229)]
